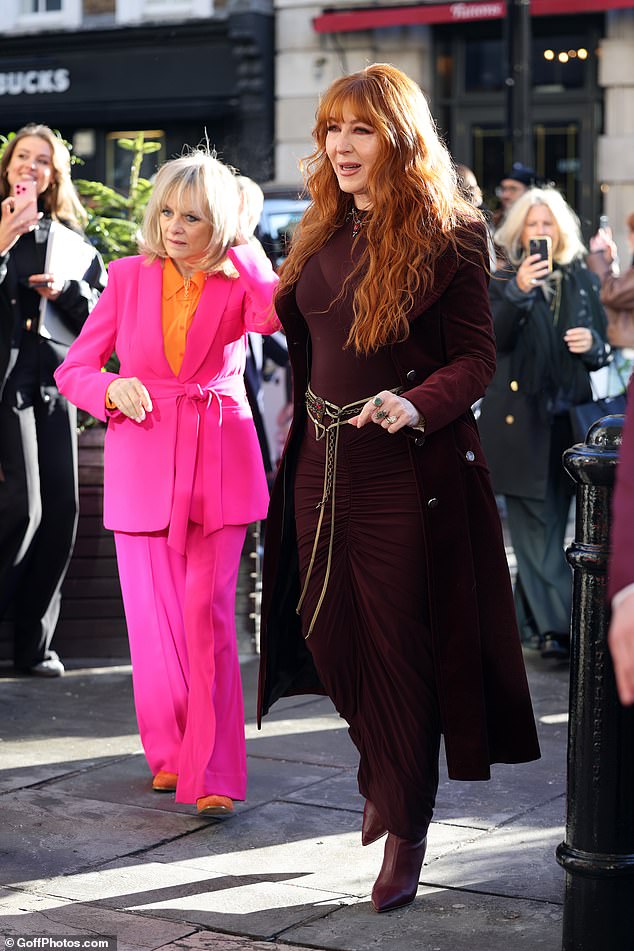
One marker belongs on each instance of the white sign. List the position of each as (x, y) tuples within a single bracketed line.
[(476, 11), (33, 81)]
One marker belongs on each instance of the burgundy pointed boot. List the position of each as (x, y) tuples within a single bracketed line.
[(372, 827), (397, 883)]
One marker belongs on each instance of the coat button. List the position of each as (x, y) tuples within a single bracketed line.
[(13, 301), (514, 385), (432, 503), (419, 441), (469, 455), (509, 419), (411, 376)]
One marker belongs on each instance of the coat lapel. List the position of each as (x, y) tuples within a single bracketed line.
[(149, 316), (202, 332)]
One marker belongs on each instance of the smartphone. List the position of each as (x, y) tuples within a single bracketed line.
[(25, 194), (543, 246)]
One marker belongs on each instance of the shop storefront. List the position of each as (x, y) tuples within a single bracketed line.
[(180, 84), (456, 52)]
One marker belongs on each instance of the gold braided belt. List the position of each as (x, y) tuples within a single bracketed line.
[(327, 417)]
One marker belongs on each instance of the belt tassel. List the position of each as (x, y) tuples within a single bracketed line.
[(317, 408)]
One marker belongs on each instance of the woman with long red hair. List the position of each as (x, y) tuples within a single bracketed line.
[(385, 578)]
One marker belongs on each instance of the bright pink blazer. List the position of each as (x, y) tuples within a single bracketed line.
[(197, 453)]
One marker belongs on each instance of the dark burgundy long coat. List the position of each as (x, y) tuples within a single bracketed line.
[(444, 366)]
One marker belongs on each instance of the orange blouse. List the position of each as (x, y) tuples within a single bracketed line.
[(178, 308), (180, 301)]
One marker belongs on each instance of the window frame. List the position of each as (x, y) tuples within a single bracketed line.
[(134, 11), (69, 17)]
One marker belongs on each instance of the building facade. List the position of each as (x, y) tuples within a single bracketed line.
[(582, 87), (182, 71)]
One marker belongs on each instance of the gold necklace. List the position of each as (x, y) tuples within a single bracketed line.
[(187, 282)]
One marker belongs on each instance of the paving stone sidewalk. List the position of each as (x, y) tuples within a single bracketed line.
[(86, 848)]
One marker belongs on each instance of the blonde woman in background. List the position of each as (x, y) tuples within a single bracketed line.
[(550, 331)]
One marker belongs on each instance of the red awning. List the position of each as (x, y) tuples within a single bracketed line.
[(372, 18)]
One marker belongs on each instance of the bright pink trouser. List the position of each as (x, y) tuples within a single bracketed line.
[(180, 612)]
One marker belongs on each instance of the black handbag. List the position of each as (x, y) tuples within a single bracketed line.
[(585, 414)]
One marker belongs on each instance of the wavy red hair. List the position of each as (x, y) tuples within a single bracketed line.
[(417, 210)]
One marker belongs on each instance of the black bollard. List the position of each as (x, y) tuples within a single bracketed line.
[(598, 852)]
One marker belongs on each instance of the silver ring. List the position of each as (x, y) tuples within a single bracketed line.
[(377, 401), (534, 280), (380, 414), (391, 419)]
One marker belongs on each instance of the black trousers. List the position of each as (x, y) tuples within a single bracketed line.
[(39, 503), (543, 589)]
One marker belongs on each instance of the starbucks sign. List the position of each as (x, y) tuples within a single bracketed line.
[(34, 82)]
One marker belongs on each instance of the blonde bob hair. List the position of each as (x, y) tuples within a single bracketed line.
[(200, 184), (568, 248), (417, 210), (60, 200)]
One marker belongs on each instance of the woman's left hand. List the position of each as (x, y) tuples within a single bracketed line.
[(47, 285), (389, 411), (578, 339)]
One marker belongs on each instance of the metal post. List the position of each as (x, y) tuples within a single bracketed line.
[(517, 44), (598, 852)]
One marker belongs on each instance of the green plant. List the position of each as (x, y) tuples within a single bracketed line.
[(114, 219)]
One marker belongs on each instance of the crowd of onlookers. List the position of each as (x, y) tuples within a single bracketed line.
[(564, 325)]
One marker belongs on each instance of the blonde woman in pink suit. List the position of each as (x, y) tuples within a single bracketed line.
[(183, 472)]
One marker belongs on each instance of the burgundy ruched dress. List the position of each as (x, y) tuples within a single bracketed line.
[(371, 641)]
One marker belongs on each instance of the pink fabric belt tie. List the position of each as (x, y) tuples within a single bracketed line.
[(198, 451)]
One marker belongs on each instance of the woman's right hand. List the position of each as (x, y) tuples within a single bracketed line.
[(130, 396), (531, 272), (13, 224)]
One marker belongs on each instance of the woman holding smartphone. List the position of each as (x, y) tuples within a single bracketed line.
[(38, 442), (550, 331)]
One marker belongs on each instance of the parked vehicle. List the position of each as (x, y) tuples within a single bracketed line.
[(283, 209)]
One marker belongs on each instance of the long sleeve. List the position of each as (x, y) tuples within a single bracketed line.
[(469, 348), (80, 377), (510, 308), (80, 296), (259, 281), (617, 293)]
